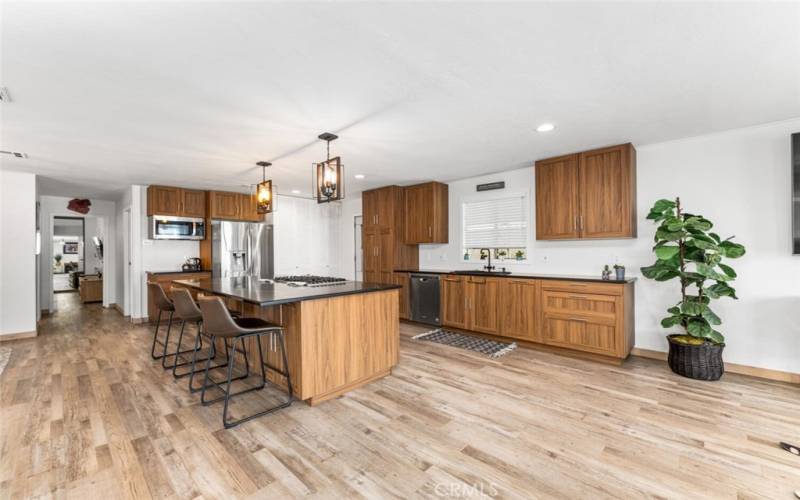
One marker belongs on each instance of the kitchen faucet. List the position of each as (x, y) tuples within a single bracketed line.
[(489, 267)]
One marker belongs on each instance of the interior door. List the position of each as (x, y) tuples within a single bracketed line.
[(605, 193), (557, 198)]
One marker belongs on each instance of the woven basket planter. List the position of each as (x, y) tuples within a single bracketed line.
[(701, 362)]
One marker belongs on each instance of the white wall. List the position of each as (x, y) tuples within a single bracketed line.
[(18, 192), (741, 180), (307, 236), (52, 206), (123, 206), (351, 207)]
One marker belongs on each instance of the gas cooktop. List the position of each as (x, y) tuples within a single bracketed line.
[(309, 280)]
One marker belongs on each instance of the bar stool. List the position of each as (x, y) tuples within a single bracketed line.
[(187, 311), (218, 323), (163, 304)]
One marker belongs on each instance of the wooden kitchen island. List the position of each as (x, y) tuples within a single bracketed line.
[(338, 337)]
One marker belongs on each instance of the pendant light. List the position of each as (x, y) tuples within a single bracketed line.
[(264, 195), (329, 175)]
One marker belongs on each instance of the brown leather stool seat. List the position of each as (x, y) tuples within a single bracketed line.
[(219, 324)]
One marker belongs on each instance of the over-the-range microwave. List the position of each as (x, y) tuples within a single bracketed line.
[(168, 227)]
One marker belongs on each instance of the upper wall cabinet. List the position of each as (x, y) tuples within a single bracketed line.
[(587, 195), (426, 208), (233, 206), (165, 200)]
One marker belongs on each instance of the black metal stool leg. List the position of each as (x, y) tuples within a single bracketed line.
[(228, 395), (155, 337), (209, 382), (198, 344)]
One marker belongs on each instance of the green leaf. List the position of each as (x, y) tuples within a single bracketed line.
[(663, 204), (701, 243), (699, 328), (716, 337), (671, 321), (699, 223), (709, 272), (692, 308), (727, 270), (666, 253), (674, 310), (663, 234), (711, 317), (715, 237), (721, 290), (731, 250)]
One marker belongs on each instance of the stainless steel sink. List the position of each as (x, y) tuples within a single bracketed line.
[(484, 273)]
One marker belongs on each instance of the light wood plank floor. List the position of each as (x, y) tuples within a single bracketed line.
[(86, 413)]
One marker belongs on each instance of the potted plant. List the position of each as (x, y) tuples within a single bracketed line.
[(619, 269), (519, 255), (501, 254), (687, 250), (58, 258)]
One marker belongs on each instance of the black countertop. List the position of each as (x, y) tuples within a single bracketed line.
[(565, 277), (269, 294), (177, 271)]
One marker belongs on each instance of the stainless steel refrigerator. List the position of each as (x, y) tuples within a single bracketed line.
[(242, 249)]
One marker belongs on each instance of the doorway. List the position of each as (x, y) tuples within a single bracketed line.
[(69, 253)]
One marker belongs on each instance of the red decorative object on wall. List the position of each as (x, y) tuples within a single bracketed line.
[(78, 205)]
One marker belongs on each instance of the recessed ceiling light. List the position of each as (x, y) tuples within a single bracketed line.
[(359, 176), (295, 191), (545, 127)]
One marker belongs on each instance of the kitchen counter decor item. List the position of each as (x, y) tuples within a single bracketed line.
[(619, 270), (688, 250)]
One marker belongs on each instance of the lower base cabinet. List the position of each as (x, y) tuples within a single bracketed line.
[(519, 309), (585, 316), (403, 280)]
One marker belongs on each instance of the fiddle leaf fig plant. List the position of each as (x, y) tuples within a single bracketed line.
[(687, 250)]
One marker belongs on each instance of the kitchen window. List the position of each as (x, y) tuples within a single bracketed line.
[(498, 224)]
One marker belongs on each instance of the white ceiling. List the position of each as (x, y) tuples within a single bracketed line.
[(194, 94)]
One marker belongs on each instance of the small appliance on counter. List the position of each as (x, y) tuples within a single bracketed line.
[(192, 265)]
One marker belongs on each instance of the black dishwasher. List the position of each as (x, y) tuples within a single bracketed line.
[(425, 299)]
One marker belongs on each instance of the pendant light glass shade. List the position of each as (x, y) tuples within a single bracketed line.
[(264, 194), (329, 180)]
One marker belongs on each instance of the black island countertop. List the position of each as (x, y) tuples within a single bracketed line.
[(565, 277), (270, 294)]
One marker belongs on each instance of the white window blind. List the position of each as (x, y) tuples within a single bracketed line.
[(496, 223)]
